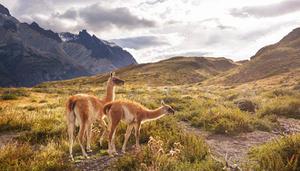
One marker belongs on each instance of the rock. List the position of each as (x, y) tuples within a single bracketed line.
[(31, 54), (10, 25), (4, 10), (48, 33), (101, 49)]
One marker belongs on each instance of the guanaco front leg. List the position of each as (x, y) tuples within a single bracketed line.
[(137, 127)]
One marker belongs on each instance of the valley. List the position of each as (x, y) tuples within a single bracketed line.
[(39, 112), (230, 115)]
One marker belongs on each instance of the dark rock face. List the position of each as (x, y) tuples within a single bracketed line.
[(102, 49), (30, 54), (4, 10), (21, 66), (10, 25), (48, 33)]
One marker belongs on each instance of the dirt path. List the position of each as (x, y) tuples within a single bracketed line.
[(236, 147), (7, 137), (95, 163)]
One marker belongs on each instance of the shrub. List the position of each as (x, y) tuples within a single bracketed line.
[(282, 92), (12, 119), (13, 94), (44, 130), (16, 157), (280, 154), (9, 97), (224, 120), (24, 157), (288, 107), (50, 157), (170, 149), (246, 105)]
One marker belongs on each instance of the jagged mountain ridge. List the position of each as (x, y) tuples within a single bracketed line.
[(4, 10), (100, 49), (30, 54)]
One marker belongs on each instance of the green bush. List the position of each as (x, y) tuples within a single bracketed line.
[(192, 151), (224, 120), (24, 157), (280, 154), (12, 119), (13, 94), (9, 97), (16, 157), (282, 92), (288, 107)]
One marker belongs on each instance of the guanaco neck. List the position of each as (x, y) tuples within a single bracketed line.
[(110, 93), (154, 114)]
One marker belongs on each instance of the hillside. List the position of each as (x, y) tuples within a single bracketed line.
[(33, 130), (31, 55), (173, 71), (271, 60)]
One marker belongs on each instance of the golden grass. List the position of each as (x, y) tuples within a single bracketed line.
[(40, 111), (280, 154)]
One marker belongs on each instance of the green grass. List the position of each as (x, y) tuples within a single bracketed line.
[(193, 153), (282, 154), (40, 112), (286, 106), (13, 93), (24, 157)]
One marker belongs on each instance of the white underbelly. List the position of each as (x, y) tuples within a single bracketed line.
[(128, 116)]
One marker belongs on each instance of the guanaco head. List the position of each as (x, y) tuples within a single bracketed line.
[(167, 108), (113, 80)]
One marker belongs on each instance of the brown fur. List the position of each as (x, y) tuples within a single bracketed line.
[(86, 109), (133, 114)]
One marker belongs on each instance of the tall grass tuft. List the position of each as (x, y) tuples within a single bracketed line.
[(280, 154)]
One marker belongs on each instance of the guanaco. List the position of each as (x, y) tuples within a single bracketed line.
[(84, 110), (133, 114)]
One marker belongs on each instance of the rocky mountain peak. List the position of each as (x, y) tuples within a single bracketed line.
[(84, 33), (4, 10), (31, 54), (48, 33)]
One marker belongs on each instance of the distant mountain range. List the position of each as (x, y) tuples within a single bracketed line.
[(274, 60), (30, 54)]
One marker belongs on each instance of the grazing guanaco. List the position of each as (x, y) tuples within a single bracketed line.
[(133, 114), (84, 110)]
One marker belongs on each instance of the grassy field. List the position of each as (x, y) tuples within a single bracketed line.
[(38, 115)]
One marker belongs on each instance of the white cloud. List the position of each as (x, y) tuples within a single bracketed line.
[(154, 29)]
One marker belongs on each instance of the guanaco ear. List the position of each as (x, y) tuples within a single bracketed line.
[(112, 74), (162, 102)]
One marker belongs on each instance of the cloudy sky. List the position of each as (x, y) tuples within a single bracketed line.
[(155, 29)]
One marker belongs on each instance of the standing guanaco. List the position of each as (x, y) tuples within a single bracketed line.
[(84, 110), (133, 114)]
